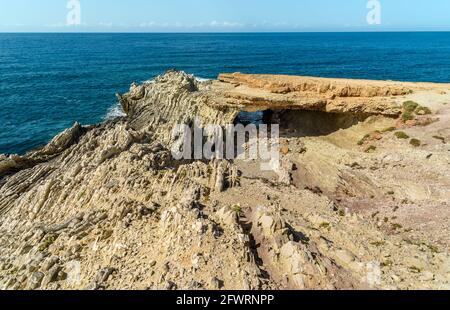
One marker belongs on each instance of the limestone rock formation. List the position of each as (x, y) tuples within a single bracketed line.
[(52, 149), (108, 207), (260, 92)]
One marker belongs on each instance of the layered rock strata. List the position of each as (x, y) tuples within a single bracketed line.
[(108, 207)]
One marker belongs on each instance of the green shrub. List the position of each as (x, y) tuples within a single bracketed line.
[(389, 129), (415, 269), (415, 142), (401, 135), (410, 106), (407, 116), (324, 225), (423, 111), (378, 243), (364, 139), (47, 242), (370, 148), (387, 263), (237, 209), (396, 226)]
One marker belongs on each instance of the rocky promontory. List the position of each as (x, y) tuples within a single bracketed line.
[(360, 200)]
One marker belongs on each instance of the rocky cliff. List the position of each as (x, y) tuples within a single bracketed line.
[(354, 204)]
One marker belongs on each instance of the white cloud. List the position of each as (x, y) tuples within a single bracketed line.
[(212, 24), (176, 26), (225, 24), (64, 25), (147, 24)]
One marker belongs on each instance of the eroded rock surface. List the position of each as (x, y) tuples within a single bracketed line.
[(260, 92), (107, 206)]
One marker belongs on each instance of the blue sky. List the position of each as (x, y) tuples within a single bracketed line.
[(223, 15)]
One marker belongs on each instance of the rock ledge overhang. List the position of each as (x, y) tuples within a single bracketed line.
[(254, 92)]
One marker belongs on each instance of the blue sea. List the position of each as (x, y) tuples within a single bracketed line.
[(49, 81)]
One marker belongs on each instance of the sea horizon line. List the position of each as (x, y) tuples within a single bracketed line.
[(222, 32)]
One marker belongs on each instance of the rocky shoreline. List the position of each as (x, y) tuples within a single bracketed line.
[(360, 200)]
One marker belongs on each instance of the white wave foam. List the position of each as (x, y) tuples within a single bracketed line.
[(149, 82), (199, 79), (115, 112)]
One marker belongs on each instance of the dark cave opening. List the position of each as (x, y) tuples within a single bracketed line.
[(302, 123)]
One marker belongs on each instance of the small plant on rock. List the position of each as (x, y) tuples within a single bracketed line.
[(410, 106), (364, 139), (237, 208), (387, 263), (401, 135), (407, 116), (415, 269), (396, 226), (423, 111), (389, 129), (48, 241), (370, 148), (378, 243), (325, 225), (415, 142)]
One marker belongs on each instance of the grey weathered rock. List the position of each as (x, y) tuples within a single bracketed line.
[(49, 263), (35, 280), (51, 275)]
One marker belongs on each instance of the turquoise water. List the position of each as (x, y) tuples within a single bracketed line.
[(49, 81)]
